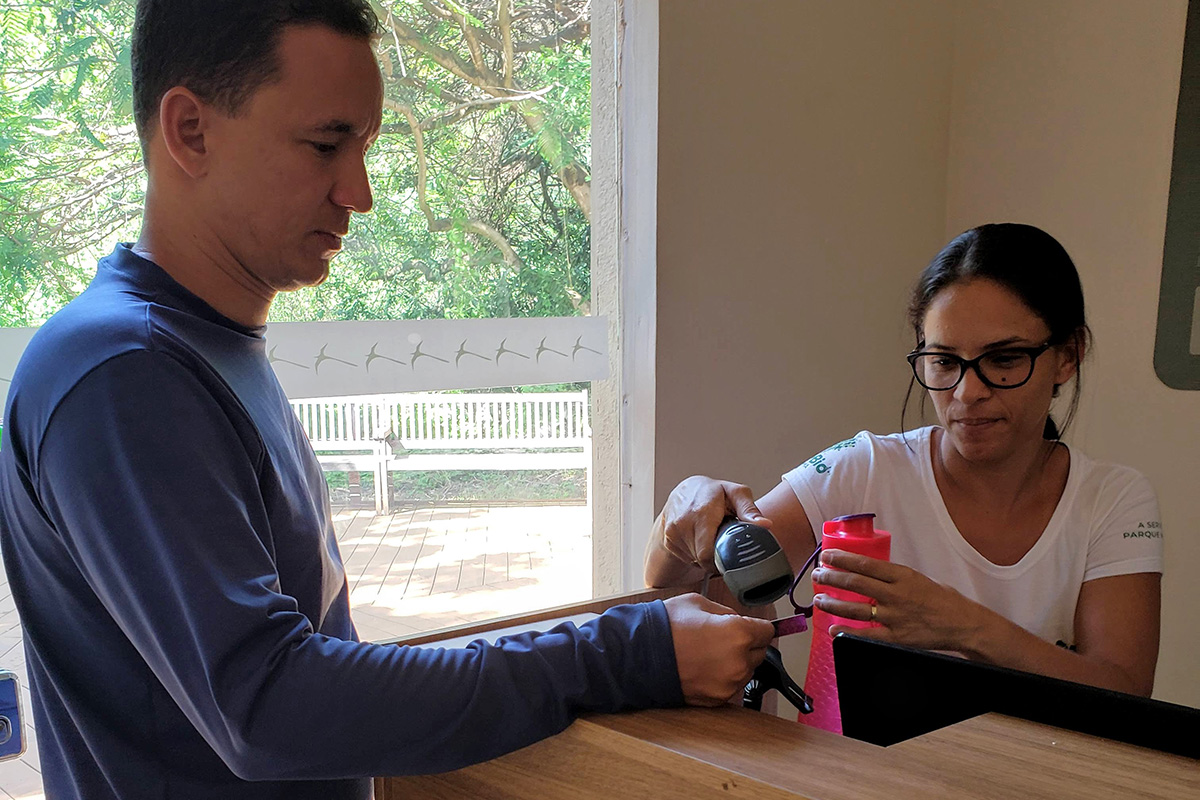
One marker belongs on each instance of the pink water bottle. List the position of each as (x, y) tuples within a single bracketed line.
[(854, 534)]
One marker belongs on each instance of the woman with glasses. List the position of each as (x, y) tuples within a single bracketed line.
[(1007, 546)]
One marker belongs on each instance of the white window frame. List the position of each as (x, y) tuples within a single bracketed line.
[(624, 285)]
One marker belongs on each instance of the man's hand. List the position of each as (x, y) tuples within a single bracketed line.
[(715, 648)]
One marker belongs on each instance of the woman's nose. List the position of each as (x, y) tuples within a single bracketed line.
[(971, 387)]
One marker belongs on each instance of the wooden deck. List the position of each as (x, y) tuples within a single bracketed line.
[(413, 570), (426, 568)]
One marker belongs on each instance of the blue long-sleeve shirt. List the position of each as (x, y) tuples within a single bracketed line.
[(168, 540)]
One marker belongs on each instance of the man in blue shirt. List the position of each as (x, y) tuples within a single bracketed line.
[(165, 525)]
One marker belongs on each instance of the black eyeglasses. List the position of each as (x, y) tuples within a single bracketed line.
[(1006, 368)]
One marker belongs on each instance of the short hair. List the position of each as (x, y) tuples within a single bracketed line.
[(223, 50)]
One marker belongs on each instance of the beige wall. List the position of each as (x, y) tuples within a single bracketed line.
[(814, 155), (802, 168), (1063, 115)]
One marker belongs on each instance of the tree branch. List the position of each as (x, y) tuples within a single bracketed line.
[(440, 55), (548, 203), (472, 41), (577, 31), (496, 238), (452, 115), (504, 15), (419, 83), (584, 307), (573, 174), (436, 10), (436, 224), (422, 165)]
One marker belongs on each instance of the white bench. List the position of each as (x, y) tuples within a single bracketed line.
[(429, 431)]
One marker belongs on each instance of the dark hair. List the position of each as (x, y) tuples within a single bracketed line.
[(1032, 265), (223, 50)]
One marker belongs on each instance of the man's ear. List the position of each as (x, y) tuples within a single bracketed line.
[(183, 120)]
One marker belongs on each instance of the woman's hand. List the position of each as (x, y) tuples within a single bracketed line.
[(1116, 622), (693, 513), (910, 608)]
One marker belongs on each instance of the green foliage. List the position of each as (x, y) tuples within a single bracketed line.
[(506, 163), (70, 176)]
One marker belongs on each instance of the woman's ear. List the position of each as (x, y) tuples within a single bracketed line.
[(183, 120), (1069, 355)]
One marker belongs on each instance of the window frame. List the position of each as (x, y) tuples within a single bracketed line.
[(624, 281)]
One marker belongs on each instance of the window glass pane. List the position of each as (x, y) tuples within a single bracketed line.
[(482, 194), (482, 210), (485, 510)]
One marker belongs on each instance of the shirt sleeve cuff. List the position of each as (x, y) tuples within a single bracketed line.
[(663, 657), (1131, 567)]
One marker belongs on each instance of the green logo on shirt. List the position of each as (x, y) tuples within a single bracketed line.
[(817, 462)]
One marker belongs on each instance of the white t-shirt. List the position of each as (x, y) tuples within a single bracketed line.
[(1106, 523)]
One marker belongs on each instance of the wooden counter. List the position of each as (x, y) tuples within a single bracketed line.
[(694, 754)]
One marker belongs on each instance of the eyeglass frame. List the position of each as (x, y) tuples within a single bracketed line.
[(964, 364)]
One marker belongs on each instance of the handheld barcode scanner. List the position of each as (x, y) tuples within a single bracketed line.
[(752, 563)]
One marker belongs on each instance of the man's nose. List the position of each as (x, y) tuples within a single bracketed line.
[(353, 188)]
